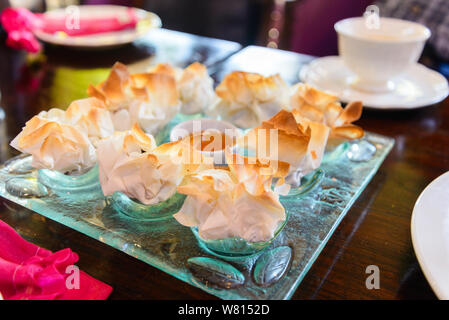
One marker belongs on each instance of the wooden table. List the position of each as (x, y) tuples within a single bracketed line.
[(376, 230)]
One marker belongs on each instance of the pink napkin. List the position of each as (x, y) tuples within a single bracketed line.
[(28, 272), (91, 25), (20, 24)]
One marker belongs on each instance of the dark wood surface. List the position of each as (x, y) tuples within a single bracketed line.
[(376, 230)]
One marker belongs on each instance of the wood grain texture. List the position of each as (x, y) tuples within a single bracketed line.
[(376, 230)]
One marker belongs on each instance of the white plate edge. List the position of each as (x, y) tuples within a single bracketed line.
[(442, 294)]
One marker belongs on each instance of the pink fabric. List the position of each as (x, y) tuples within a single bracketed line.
[(23, 39), (20, 24), (28, 272)]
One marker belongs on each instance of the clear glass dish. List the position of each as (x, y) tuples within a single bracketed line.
[(308, 183), (137, 210), (173, 248), (58, 181), (236, 246)]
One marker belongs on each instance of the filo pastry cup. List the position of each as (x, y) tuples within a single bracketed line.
[(238, 202), (150, 99), (55, 145), (131, 163), (195, 86), (299, 143), (246, 99), (318, 106)]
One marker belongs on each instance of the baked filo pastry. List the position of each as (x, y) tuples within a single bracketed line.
[(150, 99), (195, 86), (157, 101), (90, 116), (131, 163), (196, 89), (246, 99), (301, 144), (116, 90), (55, 144), (318, 106), (238, 202)]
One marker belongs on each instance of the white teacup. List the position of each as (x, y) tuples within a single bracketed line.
[(379, 55)]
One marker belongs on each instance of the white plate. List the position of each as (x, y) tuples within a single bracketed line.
[(430, 234), (146, 21), (418, 87)]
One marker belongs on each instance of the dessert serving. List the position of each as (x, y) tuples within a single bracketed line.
[(131, 163), (89, 115), (200, 183), (107, 126), (297, 141), (246, 99), (195, 86), (55, 145), (150, 99), (196, 89), (318, 106), (65, 140), (153, 98), (238, 202)]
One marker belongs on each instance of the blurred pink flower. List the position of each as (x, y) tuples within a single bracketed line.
[(19, 23)]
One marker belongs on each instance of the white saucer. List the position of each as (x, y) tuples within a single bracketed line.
[(419, 87), (430, 234), (146, 21)]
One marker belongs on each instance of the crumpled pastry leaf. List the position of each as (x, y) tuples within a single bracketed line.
[(195, 86), (246, 99), (55, 145), (196, 89), (90, 116), (115, 91), (219, 204), (256, 174), (318, 106), (130, 162), (167, 69), (150, 99), (157, 100), (297, 141), (87, 115)]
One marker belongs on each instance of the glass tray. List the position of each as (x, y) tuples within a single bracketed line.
[(275, 273)]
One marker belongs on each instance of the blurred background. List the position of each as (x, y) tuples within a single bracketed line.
[(304, 26)]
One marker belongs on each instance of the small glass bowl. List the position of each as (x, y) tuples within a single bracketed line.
[(58, 181), (236, 247), (137, 210), (308, 183)]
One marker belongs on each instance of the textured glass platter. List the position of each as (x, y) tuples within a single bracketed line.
[(274, 273)]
